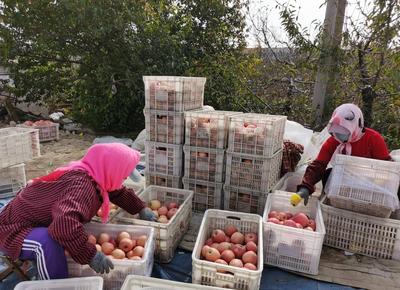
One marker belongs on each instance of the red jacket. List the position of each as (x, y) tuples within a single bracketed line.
[(371, 145), (63, 206)]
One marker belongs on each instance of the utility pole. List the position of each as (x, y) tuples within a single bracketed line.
[(327, 66)]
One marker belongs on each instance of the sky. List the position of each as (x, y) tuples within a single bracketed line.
[(308, 10)]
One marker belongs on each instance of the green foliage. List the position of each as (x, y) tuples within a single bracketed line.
[(91, 55)]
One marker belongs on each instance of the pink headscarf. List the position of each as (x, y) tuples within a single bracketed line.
[(108, 164), (346, 118)]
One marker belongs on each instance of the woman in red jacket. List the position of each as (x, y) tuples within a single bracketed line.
[(350, 137), (47, 216)]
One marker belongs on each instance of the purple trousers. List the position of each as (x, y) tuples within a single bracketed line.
[(47, 253)]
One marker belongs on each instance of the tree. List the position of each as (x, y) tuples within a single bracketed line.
[(91, 56)]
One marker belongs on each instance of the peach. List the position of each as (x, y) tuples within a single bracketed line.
[(123, 235), (138, 251), (209, 242), (130, 254), (118, 254), (230, 230), (238, 250), (250, 257), (163, 219), (141, 241), (92, 239), (135, 258), (171, 212), (107, 248), (289, 223), (218, 236), (155, 204), (251, 246), (171, 205), (251, 237), (98, 248), (163, 210), (312, 224), (204, 250), (227, 255), (103, 237), (212, 254), (236, 263), (224, 246), (237, 238), (250, 266), (126, 244), (273, 220), (272, 214), (301, 218)]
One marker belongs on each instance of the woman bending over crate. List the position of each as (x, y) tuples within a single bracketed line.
[(47, 216), (348, 136)]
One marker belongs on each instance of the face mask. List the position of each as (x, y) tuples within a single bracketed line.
[(343, 138)]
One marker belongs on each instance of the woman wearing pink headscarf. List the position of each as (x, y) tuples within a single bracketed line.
[(47, 216), (350, 137)]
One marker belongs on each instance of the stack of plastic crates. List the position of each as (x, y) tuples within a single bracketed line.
[(253, 160), (166, 100), (17, 145), (206, 135)]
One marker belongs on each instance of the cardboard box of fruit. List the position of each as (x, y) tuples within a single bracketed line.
[(173, 209), (228, 252)]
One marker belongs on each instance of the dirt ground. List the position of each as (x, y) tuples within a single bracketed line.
[(57, 153)]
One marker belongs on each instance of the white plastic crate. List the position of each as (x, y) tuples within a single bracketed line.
[(12, 179), (15, 146), (244, 200), (253, 172), (207, 129), (172, 93), (35, 140), (361, 234), (87, 283), (256, 134), (47, 132), (364, 185), (164, 126), (163, 180), (122, 268), (205, 272), (167, 235), (204, 163), (291, 248), (206, 195), (133, 282), (164, 158)]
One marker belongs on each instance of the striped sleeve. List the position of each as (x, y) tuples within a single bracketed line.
[(69, 214), (127, 199)]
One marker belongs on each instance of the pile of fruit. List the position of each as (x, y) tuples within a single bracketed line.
[(40, 123), (163, 212), (231, 247), (299, 220), (123, 247)]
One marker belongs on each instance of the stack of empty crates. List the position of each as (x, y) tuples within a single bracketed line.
[(17, 145), (166, 100), (253, 160), (205, 143)]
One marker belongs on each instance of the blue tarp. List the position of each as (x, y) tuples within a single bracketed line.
[(180, 269)]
